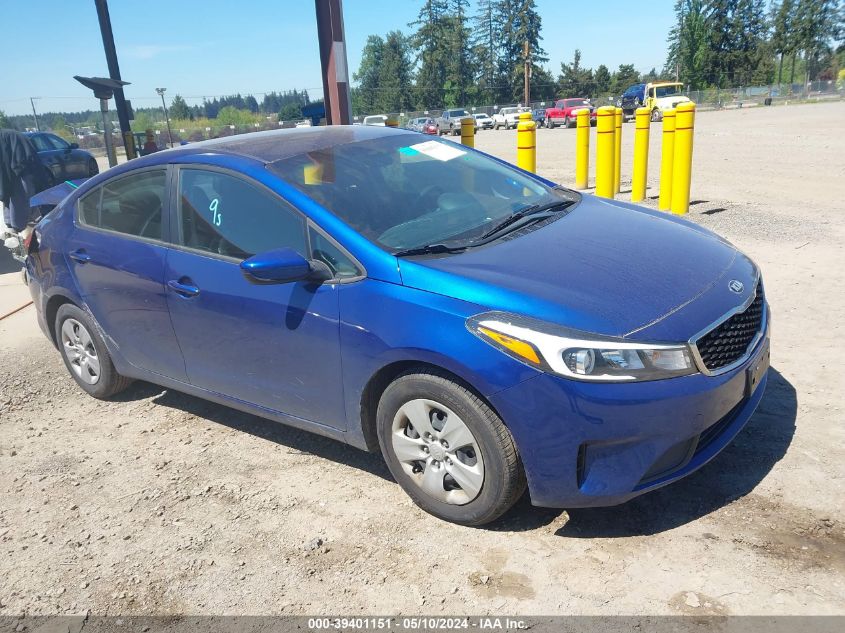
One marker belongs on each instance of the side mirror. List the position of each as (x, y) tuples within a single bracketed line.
[(74, 146), (284, 265)]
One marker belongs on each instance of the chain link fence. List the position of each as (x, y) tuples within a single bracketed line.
[(710, 99)]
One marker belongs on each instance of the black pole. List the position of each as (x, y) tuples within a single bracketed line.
[(114, 70)]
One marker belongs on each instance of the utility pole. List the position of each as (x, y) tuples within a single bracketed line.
[(34, 115), (160, 91), (526, 51)]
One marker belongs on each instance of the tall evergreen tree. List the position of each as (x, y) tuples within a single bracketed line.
[(575, 80), (431, 41), (459, 64), (783, 36), (688, 53), (365, 95), (486, 49), (179, 109), (602, 80), (520, 24), (394, 75)]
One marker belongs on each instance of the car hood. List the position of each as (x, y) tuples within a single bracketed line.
[(606, 267)]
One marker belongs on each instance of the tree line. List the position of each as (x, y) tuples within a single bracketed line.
[(453, 57), (729, 43), (235, 109)]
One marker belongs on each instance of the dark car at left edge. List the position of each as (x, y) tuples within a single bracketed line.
[(65, 161)]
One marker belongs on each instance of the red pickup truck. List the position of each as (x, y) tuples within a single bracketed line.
[(563, 112)]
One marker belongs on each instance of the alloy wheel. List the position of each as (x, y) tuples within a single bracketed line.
[(78, 348), (438, 451)]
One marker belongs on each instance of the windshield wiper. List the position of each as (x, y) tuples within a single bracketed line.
[(534, 209), (427, 249)]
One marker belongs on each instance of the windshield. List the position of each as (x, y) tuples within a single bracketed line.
[(457, 113), (402, 193), (571, 103), (666, 91)]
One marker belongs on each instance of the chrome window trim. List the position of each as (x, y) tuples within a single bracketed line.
[(764, 324)]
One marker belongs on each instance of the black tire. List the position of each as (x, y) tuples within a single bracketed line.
[(109, 382), (550, 124), (567, 123), (504, 477), (93, 168), (655, 115)]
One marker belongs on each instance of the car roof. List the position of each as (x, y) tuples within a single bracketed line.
[(272, 145)]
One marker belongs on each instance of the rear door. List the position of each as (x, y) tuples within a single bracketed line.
[(117, 253), (271, 345)]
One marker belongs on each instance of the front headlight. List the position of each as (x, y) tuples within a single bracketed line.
[(580, 355)]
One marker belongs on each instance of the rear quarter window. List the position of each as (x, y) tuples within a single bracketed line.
[(89, 208)]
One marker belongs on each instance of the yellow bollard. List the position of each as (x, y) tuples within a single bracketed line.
[(682, 160), (468, 131), (582, 149), (641, 134), (605, 151), (617, 149), (392, 121), (667, 155), (526, 143)]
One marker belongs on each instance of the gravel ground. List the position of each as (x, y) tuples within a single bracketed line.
[(160, 503)]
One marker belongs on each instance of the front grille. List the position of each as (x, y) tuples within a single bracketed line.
[(729, 341)]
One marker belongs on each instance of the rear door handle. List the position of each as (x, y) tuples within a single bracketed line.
[(186, 290), (80, 256)]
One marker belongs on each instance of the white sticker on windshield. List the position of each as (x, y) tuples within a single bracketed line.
[(438, 151)]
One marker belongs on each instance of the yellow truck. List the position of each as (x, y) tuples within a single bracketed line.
[(656, 96)]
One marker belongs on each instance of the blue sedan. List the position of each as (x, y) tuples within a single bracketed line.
[(481, 327)]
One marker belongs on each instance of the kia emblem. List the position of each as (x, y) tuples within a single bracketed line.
[(736, 286)]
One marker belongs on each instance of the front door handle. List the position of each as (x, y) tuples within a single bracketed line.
[(185, 290), (80, 256)]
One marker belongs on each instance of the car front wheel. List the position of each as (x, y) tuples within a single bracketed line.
[(448, 450), (549, 123), (85, 354)]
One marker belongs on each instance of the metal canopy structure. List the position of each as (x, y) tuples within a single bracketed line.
[(332, 41)]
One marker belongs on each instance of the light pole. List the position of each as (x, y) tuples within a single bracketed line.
[(160, 91), (34, 115), (104, 90)]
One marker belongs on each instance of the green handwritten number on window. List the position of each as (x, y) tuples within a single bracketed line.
[(216, 216)]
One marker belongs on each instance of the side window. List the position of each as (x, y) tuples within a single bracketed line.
[(89, 208), (325, 250), (57, 143), (228, 216), (40, 142), (130, 205)]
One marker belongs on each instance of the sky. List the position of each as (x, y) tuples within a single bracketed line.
[(211, 48)]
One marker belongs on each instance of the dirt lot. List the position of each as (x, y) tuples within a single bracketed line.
[(159, 503)]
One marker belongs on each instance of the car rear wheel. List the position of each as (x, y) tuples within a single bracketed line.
[(93, 168), (448, 450), (85, 354), (567, 122)]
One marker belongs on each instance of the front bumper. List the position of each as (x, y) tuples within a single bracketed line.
[(589, 444)]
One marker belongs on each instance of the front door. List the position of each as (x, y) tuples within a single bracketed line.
[(272, 345), (117, 254)]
